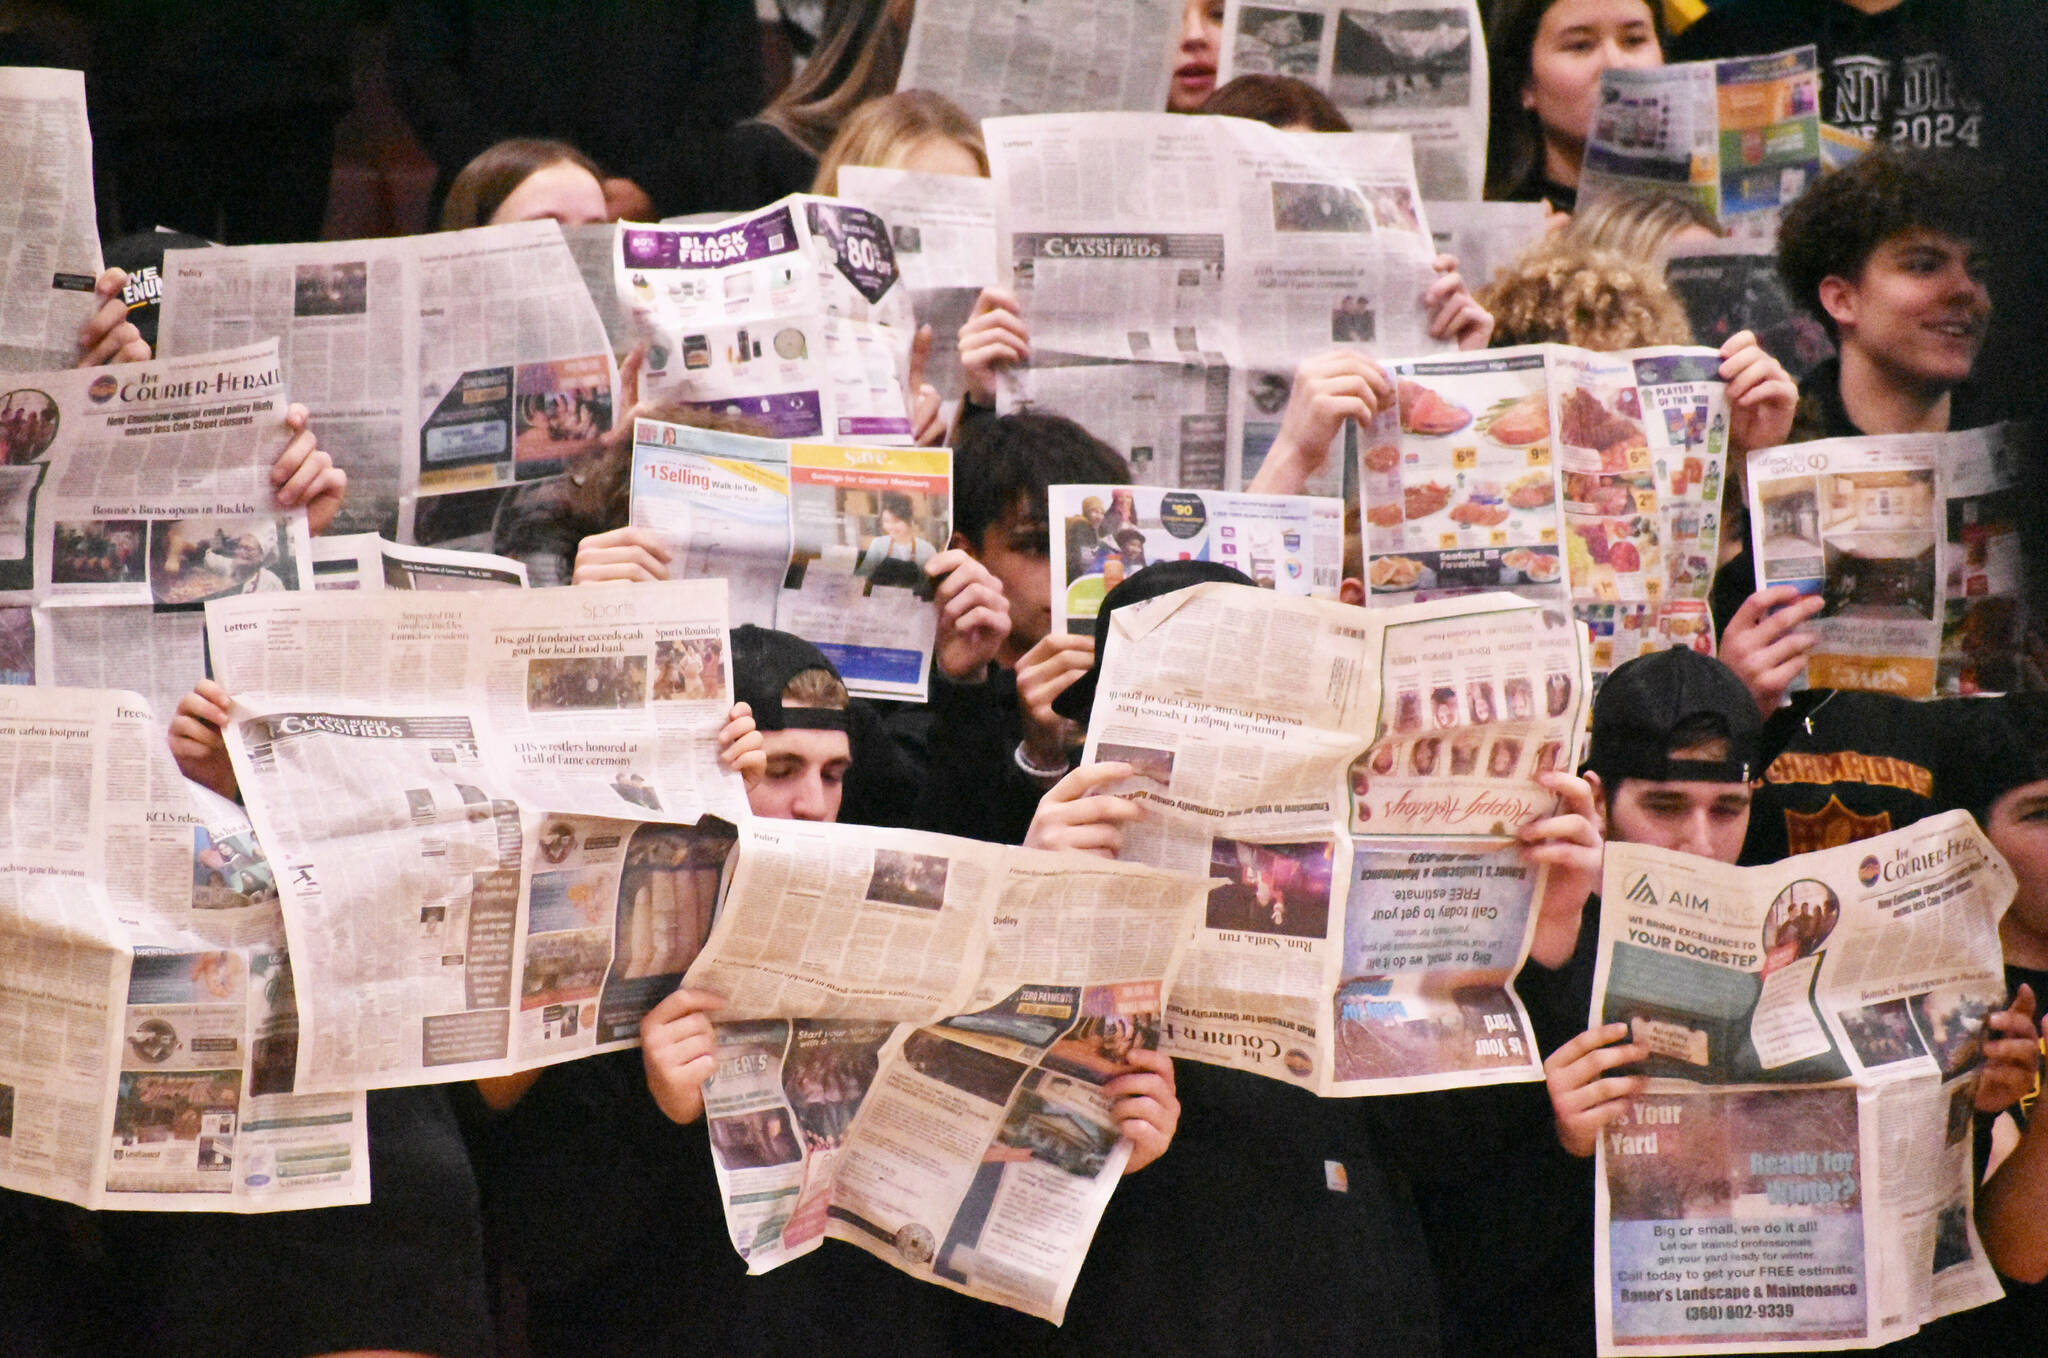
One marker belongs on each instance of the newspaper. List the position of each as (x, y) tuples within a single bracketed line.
[(146, 1000), (1414, 66), (1485, 237), (49, 228), (1558, 474), (823, 540), (1102, 535), (451, 786), (1739, 139), (1167, 317), (366, 561), (1728, 286), (917, 1034), (128, 497), (791, 317), (443, 370), (1797, 1175), (998, 57), (944, 229), (1913, 540), (594, 246), (1353, 779)]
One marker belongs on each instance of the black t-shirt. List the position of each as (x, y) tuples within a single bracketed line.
[(1840, 766), (1889, 76)]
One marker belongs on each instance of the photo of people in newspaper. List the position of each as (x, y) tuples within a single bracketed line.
[(1270, 888), (331, 289), (1274, 41), (689, 671), (193, 560), (567, 684), (829, 1069), (28, 424), (917, 880), (562, 409), (230, 872), (99, 552)]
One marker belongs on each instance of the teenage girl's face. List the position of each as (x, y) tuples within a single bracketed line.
[(2018, 826), (940, 155), (568, 193), (1919, 307), (1575, 42), (1194, 61), (806, 775)]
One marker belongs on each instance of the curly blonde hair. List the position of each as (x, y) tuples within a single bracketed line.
[(1561, 291)]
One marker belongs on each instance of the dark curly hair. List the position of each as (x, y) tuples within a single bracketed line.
[(1831, 230)]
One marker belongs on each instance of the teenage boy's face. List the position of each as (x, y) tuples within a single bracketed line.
[(1707, 819), (1015, 549), (805, 777), (1919, 307), (2018, 826)]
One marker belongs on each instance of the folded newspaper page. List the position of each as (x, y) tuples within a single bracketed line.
[(49, 227), (594, 246), (130, 496), (1558, 474), (1739, 139), (451, 788), (1913, 541), (1102, 535), (444, 370), (1727, 286), (1798, 1175), (1000, 57), (1352, 779), (1168, 317), (146, 999), (792, 318), (944, 229), (368, 562), (915, 1044), (1414, 66), (823, 540)]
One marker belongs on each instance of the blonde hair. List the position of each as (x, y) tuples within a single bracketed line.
[(858, 59), (1639, 225), (882, 132), (1560, 291), (815, 688)]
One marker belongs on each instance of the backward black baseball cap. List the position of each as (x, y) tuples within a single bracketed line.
[(1644, 703), (141, 256), (1164, 578), (763, 662)]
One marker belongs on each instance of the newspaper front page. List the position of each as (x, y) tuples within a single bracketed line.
[(793, 317), (147, 1019), (944, 229), (1103, 535), (1913, 540), (1414, 66), (1798, 1174), (996, 58), (1352, 779), (443, 370), (49, 228), (917, 1034), (1558, 474), (823, 540), (368, 562), (1739, 139), (128, 497), (1168, 316), (488, 811)]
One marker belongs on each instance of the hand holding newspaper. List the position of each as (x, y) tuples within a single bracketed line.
[(1798, 1174), (914, 1048), (451, 786), (144, 983), (1353, 779), (1912, 541)]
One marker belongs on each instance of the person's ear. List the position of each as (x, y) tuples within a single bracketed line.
[(1838, 298), (1599, 795), (960, 542), (1351, 590)]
